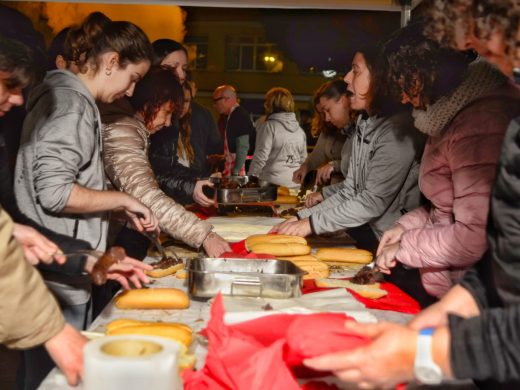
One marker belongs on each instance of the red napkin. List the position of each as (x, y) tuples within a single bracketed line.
[(396, 300), (254, 356), (202, 212)]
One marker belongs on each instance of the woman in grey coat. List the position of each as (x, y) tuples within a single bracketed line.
[(280, 141), (381, 182)]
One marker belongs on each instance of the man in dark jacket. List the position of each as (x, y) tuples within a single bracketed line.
[(239, 131)]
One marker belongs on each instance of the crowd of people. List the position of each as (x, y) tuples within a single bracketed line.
[(416, 159)]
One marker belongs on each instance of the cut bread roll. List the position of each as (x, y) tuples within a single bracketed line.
[(281, 249), (162, 272), (314, 269), (301, 258), (161, 329), (371, 291), (345, 255), (273, 239), (153, 298), (182, 274)]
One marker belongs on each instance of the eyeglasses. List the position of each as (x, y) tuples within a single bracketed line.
[(219, 98)]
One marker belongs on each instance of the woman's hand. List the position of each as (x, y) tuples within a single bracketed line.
[(323, 173), (123, 272), (299, 174), (387, 361), (36, 247), (457, 301), (313, 199), (198, 193), (391, 236), (300, 228), (386, 259), (214, 245)]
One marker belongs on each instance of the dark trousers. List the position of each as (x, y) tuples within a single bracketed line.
[(407, 279)]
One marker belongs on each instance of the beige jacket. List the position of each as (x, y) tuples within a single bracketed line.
[(29, 314), (125, 155)]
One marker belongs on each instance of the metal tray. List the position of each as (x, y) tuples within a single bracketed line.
[(243, 277), (267, 192)]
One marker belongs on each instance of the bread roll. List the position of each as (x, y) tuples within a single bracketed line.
[(169, 331), (162, 272), (314, 269), (256, 239), (281, 190), (181, 274), (371, 291), (346, 255), (303, 258), (124, 322), (287, 199), (281, 249), (153, 298)]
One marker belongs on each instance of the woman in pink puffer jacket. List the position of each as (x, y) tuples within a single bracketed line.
[(465, 109)]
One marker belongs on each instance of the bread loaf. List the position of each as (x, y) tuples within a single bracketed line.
[(153, 298), (371, 291), (169, 331), (346, 255), (287, 199), (281, 249), (273, 239)]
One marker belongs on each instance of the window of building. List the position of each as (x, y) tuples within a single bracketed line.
[(252, 53), (197, 51)]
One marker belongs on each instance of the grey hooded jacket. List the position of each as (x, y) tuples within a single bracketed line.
[(61, 146), (280, 149), (381, 182)]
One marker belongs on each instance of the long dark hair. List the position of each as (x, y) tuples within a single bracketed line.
[(163, 47), (98, 35), (160, 85), (185, 129)]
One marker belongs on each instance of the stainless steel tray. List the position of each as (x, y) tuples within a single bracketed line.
[(267, 192), (244, 277)]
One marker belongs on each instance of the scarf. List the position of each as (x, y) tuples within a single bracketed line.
[(481, 77)]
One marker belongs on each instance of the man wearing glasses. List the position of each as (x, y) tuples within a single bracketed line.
[(239, 133)]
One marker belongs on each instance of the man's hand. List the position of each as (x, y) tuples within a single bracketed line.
[(214, 245), (389, 237), (387, 361), (127, 270), (299, 174), (313, 199), (198, 194), (300, 228), (36, 247), (140, 216), (457, 301), (281, 225), (66, 349), (323, 173), (386, 259)]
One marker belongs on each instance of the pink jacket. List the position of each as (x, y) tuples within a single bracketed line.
[(456, 175)]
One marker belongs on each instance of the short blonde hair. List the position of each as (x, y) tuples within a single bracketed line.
[(278, 100)]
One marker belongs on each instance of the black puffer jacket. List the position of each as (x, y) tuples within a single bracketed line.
[(488, 346)]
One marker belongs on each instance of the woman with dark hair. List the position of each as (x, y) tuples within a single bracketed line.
[(464, 108), (59, 176), (334, 130), (127, 128), (179, 181), (382, 177), (280, 141)]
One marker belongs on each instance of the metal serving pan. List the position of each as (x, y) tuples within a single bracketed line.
[(244, 277), (267, 192)]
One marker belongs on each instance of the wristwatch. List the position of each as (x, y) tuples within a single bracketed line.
[(425, 369)]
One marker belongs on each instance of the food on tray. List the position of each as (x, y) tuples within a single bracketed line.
[(287, 199), (153, 298), (181, 274), (314, 269), (177, 332), (367, 275), (371, 291), (229, 184), (346, 255), (164, 267), (283, 191), (273, 239), (276, 249), (112, 256), (303, 258)]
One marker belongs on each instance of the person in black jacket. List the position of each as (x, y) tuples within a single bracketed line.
[(182, 182), (475, 329)]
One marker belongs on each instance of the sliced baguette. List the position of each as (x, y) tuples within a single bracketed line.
[(371, 291), (281, 249), (273, 239), (345, 255)]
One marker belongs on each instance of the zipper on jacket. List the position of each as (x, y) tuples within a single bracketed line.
[(75, 231)]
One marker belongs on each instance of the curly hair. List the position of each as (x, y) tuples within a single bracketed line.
[(160, 85), (485, 16)]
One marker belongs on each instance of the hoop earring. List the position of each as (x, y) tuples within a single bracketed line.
[(108, 72)]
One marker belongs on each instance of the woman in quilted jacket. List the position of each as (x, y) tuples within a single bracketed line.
[(464, 107)]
